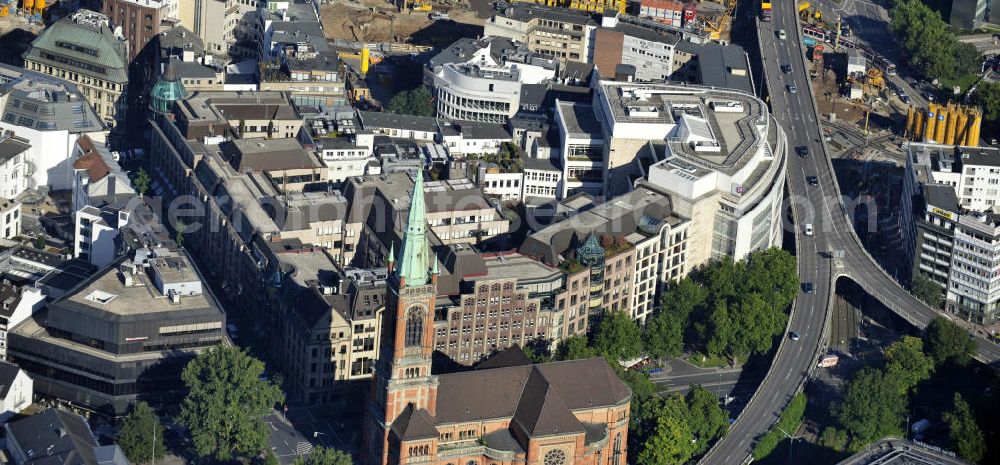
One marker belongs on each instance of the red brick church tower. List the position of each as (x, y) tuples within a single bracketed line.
[(402, 384)]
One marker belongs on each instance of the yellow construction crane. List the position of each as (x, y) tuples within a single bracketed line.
[(365, 58), (721, 24)]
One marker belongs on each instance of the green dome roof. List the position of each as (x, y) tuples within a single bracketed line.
[(167, 90)]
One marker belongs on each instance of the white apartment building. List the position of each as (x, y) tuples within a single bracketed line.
[(49, 115), (10, 218), (951, 226), (17, 393), (347, 157), (17, 303), (582, 147), (15, 167), (542, 178), (103, 200), (496, 183), (718, 154)]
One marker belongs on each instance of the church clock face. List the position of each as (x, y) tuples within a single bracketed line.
[(555, 457)]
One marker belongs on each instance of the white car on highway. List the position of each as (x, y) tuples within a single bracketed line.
[(781, 34), (809, 229)]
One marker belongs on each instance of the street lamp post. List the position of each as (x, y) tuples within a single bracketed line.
[(791, 441)]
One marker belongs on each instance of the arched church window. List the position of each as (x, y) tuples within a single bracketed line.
[(414, 327)]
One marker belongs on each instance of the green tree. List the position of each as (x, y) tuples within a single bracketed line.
[(664, 335), (987, 96), (684, 298), (667, 438), (833, 438), (417, 101), (872, 407), (965, 432), (723, 330), (907, 363), (707, 420), (179, 234), (324, 456), (574, 348), (774, 274), (929, 44), (226, 403), (927, 290), (618, 337), (945, 341), (141, 436), (142, 181)]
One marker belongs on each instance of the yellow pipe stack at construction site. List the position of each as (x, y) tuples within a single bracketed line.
[(918, 124), (930, 122), (950, 124), (972, 140), (949, 134), (941, 125), (909, 121), (961, 129)]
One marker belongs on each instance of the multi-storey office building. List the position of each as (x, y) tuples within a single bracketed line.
[(649, 51), (140, 20), (125, 333), (950, 226), (717, 154), (82, 49), (480, 80), (553, 32), (329, 330), (622, 251), (228, 28), (488, 302)]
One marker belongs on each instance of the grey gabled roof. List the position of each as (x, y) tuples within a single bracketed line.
[(413, 424), (540, 398), (55, 437), (541, 411), (8, 372)]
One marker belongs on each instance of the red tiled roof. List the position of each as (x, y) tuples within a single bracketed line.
[(90, 160)]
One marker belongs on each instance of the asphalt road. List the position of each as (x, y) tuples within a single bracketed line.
[(820, 205)]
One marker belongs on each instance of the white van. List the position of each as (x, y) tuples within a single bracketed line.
[(809, 229)]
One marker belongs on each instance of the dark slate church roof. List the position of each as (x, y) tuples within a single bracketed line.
[(538, 399)]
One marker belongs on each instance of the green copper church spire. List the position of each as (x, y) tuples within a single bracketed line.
[(414, 256)]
